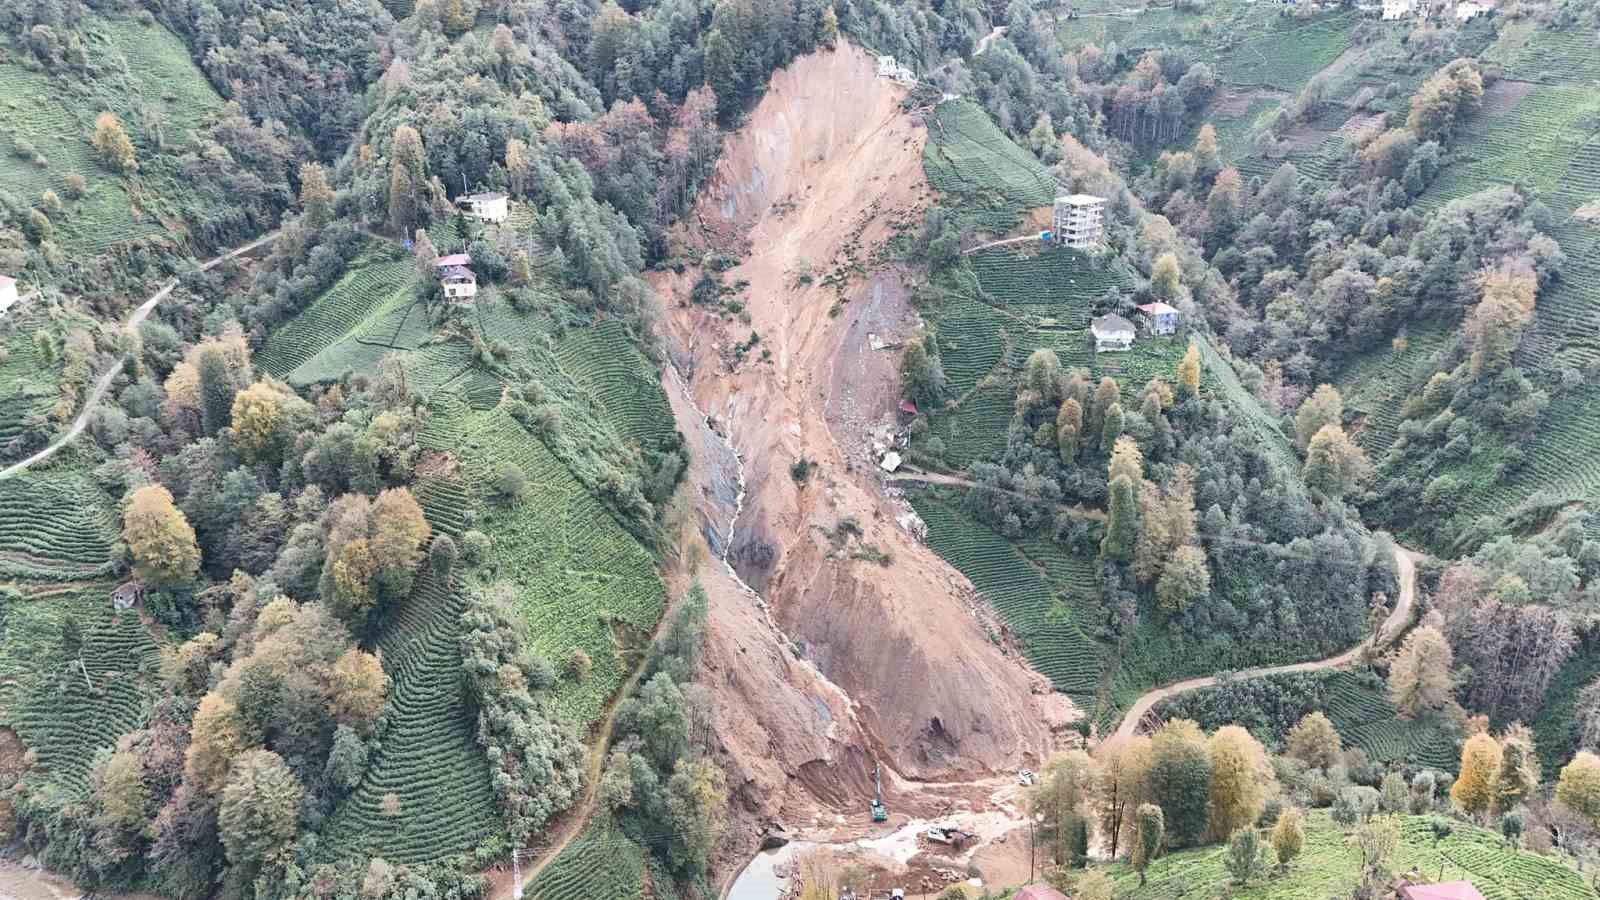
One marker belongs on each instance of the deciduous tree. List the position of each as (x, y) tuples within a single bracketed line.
[(1122, 767), (1189, 373), (1517, 777), (1314, 741), (1151, 833), (357, 688), (1495, 325), (1288, 836), (316, 195), (111, 142), (1579, 786), (1240, 777), (1185, 579), (215, 738), (1180, 780), (1069, 429), (1420, 678), (1122, 521), (1324, 407), (159, 537), (260, 808), (1474, 789)]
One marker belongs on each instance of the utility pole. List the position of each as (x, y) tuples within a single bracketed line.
[(1030, 849)]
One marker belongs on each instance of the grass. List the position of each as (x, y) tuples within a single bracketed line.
[(605, 362), (31, 369), (1329, 865), (63, 711), (1059, 283)]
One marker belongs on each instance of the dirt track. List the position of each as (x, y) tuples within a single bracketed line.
[(1397, 622), (103, 383)]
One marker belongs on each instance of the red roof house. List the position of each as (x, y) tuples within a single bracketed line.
[(1449, 890), (453, 260), (907, 407)]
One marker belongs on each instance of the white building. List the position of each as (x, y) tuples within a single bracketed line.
[(1159, 317), (459, 283), (1111, 332), (888, 68), (488, 207), (1080, 221), (1466, 12), (1398, 9), (8, 291)]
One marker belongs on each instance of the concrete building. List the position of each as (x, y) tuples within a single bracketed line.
[(1159, 317), (487, 207), (1398, 9), (8, 291), (889, 68), (1080, 221), (459, 283), (1466, 12), (1111, 332)]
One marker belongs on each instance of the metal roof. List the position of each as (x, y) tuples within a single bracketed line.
[(479, 198), (1081, 199), (454, 259), (1111, 323), (1157, 308)]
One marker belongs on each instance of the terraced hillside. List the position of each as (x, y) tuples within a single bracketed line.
[(1329, 865), (31, 366), (367, 313), (978, 171), (74, 676), (160, 97), (56, 525)]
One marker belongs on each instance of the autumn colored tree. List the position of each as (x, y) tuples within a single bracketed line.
[(1106, 394), (1420, 678), (1126, 461), (1324, 407), (259, 814), (1151, 832), (1335, 465), (1495, 325), (1069, 429), (1189, 373), (1474, 789), (316, 195), (1314, 741), (121, 791), (159, 537), (408, 180), (257, 421), (1166, 278), (1288, 836), (1240, 777), (1122, 765), (112, 144), (357, 687), (1517, 777), (216, 736), (1207, 154), (1185, 579), (400, 534), (1060, 798), (1445, 99), (1579, 786), (1180, 780), (519, 165)]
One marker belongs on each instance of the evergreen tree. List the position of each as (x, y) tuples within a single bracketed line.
[(1180, 781), (1246, 858), (1122, 521), (260, 807), (1518, 774), (1150, 824), (408, 180), (1112, 429), (216, 391), (316, 195), (1069, 429)]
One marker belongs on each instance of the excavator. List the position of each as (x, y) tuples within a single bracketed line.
[(880, 813)]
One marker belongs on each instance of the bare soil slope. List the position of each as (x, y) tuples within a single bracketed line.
[(826, 170)]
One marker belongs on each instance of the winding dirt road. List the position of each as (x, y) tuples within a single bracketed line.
[(103, 383), (1397, 622)]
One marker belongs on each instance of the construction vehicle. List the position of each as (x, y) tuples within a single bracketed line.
[(880, 813)]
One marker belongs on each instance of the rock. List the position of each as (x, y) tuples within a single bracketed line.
[(773, 841)]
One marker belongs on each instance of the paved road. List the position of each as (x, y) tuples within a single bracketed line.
[(103, 383), (1404, 560)]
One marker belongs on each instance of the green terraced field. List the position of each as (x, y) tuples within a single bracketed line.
[(367, 313), (979, 171), (975, 431), (55, 525), (1376, 384), (583, 581), (1329, 865), (428, 755), (28, 388), (600, 864), (605, 362), (1057, 283), (65, 712), (1042, 620), (971, 342)]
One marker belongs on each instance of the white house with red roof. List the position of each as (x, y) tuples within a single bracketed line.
[(1159, 317)]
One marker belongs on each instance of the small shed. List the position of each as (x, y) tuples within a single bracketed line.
[(127, 595), (890, 462), (1111, 332), (8, 291), (1159, 317), (1447, 890), (459, 283), (489, 207)]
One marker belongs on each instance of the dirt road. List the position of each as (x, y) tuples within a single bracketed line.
[(1397, 622), (957, 481), (103, 383)]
